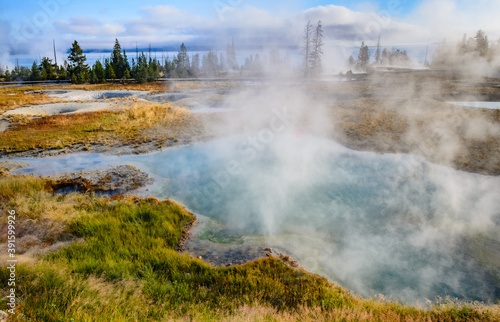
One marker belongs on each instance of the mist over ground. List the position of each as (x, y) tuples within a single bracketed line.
[(394, 224), (402, 219)]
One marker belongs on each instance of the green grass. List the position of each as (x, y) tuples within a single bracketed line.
[(122, 266)]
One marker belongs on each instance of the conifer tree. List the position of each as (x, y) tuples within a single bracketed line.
[(481, 43), (77, 67), (378, 53), (363, 57), (126, 66), (195, 65), (117, 60), (231, 61), (99, 72), (182, 62), (351, 62), (63, 74), (35, 72), (109, 70), (47, 69)]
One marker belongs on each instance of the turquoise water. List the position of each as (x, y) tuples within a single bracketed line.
[(479, 104), (389, 224)]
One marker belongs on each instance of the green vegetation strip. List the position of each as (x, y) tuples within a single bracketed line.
[(121, 265)]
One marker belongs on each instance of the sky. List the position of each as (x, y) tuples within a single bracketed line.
[(29, 26)]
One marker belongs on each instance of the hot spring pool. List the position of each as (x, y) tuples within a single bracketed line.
[(389, 224), (479, 104)]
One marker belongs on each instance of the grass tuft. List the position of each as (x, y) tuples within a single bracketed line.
[(120, 264)]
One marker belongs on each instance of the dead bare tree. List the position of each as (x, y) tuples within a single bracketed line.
[(307, 47), (317, 51)]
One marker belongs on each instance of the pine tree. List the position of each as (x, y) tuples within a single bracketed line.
[(99, 72), (232, 64), (7, 75), (462, 46), (195, 65), (363, 57), (141, 69), (210, 63), (48, 72), (182, 62), (93, 77), (481, 43), (222, 62), (110, 72), (35, 72), (153, 70), (169, 68), (77, 67), (351, 62), (117, 60), (62, 73), (385, 57), (377, 53), (127, 74), (126, 66)]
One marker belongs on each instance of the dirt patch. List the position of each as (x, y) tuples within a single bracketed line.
[(9, 166), (4, 125), (89, 95), (185, 236), (35, 237), (99, 148), (61, 108)]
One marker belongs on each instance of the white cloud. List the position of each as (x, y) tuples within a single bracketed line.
[(341, 23), (248, 24), (161, 20), (165, 25), (88, 27), (452, 18)]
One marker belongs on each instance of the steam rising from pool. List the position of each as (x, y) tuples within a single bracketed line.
[(391, 224)]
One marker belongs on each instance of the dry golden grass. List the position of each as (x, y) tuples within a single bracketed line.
[(29, 196), (365, 118), (175, 85), (136, 124), (11, 98), (427, 127)]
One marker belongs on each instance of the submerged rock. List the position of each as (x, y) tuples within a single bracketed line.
[(119, 179)]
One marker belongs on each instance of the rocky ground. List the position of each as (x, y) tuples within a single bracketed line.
[(116, 180), (202, 241), (41, 236), (96, 148), (8, 166)]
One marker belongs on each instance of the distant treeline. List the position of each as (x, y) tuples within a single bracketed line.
[(144, 68), (384, 57), (474, 52)]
